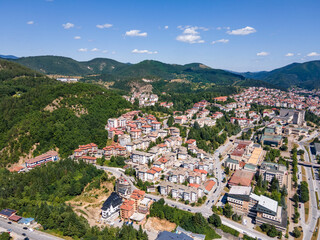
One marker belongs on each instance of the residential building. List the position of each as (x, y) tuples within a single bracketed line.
[(270, 170), (50, 156), (111, 206)]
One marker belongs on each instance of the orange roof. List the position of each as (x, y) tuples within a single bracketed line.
[(16, 169), (42, 157), (157, 169), (163, 160), (209, 185), (194, 185), (78, 150), (126, 206), (89, 158), (190, 141), (151, 171), (161, 145), (201, 171), (241, 177)]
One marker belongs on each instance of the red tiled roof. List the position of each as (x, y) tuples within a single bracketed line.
[(209, 185), (241, 177), (201, 171), (42, 157), (16, 169), (194, 185), (15, 218)]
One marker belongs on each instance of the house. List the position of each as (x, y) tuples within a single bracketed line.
[(135, 133), (50, 156), (127, 209), (141, 157), (208, 186), (111, 205), (191, 143), (6, 213), (221, 99), (26, 221), (123, 187), (180, 120), (89, 159), (156, 125), (146, 129)]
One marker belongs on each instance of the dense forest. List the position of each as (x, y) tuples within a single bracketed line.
[(37, 112), (210, 138), (41, 194)]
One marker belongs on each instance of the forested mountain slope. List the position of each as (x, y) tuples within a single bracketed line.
[(42, 114)]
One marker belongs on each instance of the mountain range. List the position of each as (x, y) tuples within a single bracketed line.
[(172, 77), (304, 75), (194, 77)]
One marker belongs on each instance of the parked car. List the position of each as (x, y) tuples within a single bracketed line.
[(25, 228), (23, 234), (9, 222)]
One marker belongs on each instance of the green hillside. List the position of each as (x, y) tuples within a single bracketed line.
[(68, 66), (42, 114), (304, 75), (163, 77)]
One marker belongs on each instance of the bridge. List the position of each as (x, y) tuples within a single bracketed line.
[(306, 164)]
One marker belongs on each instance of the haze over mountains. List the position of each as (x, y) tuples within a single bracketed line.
[(164, 76)]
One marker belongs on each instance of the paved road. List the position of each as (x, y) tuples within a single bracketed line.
[(244, 229), (309, 225), (18, 230)]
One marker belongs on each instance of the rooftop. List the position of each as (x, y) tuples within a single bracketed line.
[(240, 190)]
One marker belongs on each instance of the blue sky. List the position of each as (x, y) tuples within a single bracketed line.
[(238, 35)]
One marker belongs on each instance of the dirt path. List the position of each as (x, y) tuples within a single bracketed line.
[(156, 224), (89, 203)]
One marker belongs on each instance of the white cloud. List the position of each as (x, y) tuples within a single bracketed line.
[(136, 33), (143, 51), (191, 30), (30, 22), (190, 38), (82, 50), (289, 54), (105, 51), (166, 27), (77, 37), (67, 25), (242, 31), (221, 41), (106, 25), (190, 34), (263, 54), (95, 49), (313, 54)]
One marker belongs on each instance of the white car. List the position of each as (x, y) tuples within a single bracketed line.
[(31, 230)]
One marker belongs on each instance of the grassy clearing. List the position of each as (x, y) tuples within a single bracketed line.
[(306, 211), (304, 176), (316, 231)]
